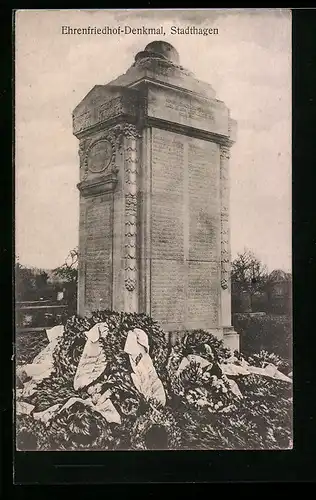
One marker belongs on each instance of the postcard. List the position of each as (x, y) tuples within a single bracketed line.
[(153, 230)]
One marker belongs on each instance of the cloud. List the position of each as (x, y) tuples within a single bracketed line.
[(248, 65)]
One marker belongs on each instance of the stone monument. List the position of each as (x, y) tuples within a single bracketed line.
[(154, 147)]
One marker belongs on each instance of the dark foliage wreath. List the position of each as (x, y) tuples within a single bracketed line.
[(156, 428)]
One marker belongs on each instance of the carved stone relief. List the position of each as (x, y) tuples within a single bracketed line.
[(225, 247)]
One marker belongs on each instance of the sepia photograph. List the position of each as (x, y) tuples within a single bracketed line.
[(153, 245)]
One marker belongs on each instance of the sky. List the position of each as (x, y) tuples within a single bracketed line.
[(249, 66)]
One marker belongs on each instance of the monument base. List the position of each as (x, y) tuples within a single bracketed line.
[(231, 339), (227, 334)]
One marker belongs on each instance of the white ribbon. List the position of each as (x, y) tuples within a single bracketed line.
[(234, 388), (55, 332), (192, 358), (93, 360), (269, 371), (104, 406), (144, 374), (46, 415), (43, 364), (23, 408), (136, 343), (231, 369)]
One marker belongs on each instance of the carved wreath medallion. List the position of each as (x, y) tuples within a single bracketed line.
[(99, 156)]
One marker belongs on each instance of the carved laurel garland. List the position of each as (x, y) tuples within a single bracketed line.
[(130, 241), (225, 252), (130, 133)]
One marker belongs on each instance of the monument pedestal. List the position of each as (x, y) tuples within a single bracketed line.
[(231, 339), (154, 196)]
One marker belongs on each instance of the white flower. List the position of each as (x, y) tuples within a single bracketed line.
[(202, 402)]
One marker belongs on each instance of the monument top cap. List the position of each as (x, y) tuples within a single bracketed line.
[(161, 50)]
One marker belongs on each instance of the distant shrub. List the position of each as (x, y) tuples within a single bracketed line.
[(270, 333)]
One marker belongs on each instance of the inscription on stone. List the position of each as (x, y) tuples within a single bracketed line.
[(185, 229), (98, 253), (188, 109), (203, 199), (109, 109), (168, 276), (168, 292), (167, 195), (100, 107), (82, 121), (203, 293)]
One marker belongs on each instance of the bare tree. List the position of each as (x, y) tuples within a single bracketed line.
[(249, 274), (68, 272)]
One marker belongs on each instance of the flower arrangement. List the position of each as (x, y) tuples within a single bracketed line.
[(112, 404), (156, 428)]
